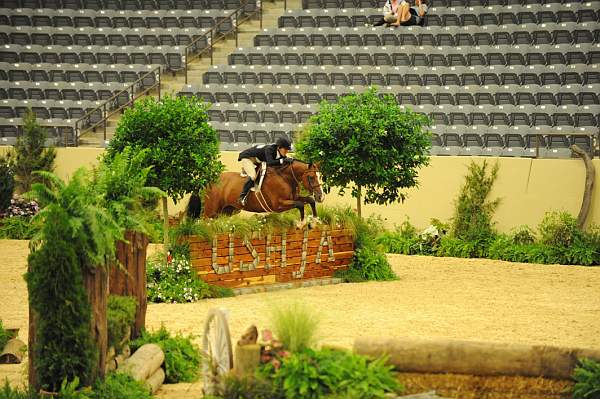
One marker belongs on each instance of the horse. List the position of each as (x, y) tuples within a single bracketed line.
[(279, 192)]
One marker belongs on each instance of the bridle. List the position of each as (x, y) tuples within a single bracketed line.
[(311, 188)]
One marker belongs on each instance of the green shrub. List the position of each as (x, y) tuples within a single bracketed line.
[(314, 374), (17, 228), (473, 212), (559, 229), (182, 357), (523, 235), (369, 261), (295, 326), (29, 154), (71, 390), (233, 387), (119, 386), (8, 392), (7, 184), (587, 380), (64, 349), (461, 248), (176, 282), (395, 243), (4, 336), (120, 316)]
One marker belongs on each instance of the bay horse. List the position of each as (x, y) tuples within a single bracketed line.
[(279, 192)]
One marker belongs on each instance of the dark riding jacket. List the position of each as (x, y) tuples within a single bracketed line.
[(265, 153)]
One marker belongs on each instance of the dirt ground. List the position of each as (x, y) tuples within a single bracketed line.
[(471, 299)]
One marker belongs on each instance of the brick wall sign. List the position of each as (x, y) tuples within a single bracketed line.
[(235, 262)]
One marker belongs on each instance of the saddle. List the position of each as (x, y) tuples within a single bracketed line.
[(261, 171)]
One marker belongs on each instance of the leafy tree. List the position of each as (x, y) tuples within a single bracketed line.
[(183, 148), (29, 154), (369, 141), (473, 211), (7, 184)]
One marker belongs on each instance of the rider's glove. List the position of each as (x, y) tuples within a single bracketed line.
[(287, 160)]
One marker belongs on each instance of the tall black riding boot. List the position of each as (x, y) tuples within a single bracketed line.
[(244, 195)]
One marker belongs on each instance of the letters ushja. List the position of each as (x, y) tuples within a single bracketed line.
[(325, 241)]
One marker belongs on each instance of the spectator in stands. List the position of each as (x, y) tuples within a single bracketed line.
[(390, 13), (403, 14), (415, 15)]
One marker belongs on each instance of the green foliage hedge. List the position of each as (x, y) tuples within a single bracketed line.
[(520, 246), (120, 316), (18, 228), (182, 356), (7, 184), (587, 380), (316, 374), (114, 386)]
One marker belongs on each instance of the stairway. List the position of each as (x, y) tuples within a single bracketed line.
[(172, 84)]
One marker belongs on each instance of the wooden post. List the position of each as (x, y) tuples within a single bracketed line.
[(96, 285), (129, 278), (359, 201), (166, 223), (590, 173)]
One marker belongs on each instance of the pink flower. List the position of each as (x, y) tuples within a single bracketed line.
[(276, 363), (267, 335)]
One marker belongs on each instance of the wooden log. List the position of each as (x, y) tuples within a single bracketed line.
[(247, 359), (144, 362), (155, 380), (120, 360), (590, 175), (13, 352), (472, 357)]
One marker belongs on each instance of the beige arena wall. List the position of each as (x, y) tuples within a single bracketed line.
[(527, 188)]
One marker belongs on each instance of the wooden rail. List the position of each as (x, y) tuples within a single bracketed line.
[(82, 125), (213, 35)]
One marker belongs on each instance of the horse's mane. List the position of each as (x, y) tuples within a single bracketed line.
[(279, 169)]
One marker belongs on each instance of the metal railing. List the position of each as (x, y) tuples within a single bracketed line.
[(213, 35), (108, 108)]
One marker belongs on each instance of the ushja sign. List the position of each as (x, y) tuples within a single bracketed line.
[(231, 261)]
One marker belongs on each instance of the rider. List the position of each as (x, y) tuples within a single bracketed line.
[(272, 154)]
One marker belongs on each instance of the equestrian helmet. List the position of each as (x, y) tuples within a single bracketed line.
[(284, 142)]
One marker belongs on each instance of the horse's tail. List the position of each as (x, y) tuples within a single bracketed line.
[(194, 206)]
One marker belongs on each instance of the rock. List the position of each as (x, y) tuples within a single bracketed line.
[(250, 336)]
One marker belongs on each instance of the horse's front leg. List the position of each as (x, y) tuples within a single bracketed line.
[(289, 204), (310, 201)]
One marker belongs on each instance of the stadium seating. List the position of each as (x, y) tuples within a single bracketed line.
[(64, 58), (496, 77)]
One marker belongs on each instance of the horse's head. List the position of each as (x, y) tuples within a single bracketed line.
[(308, 175)]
